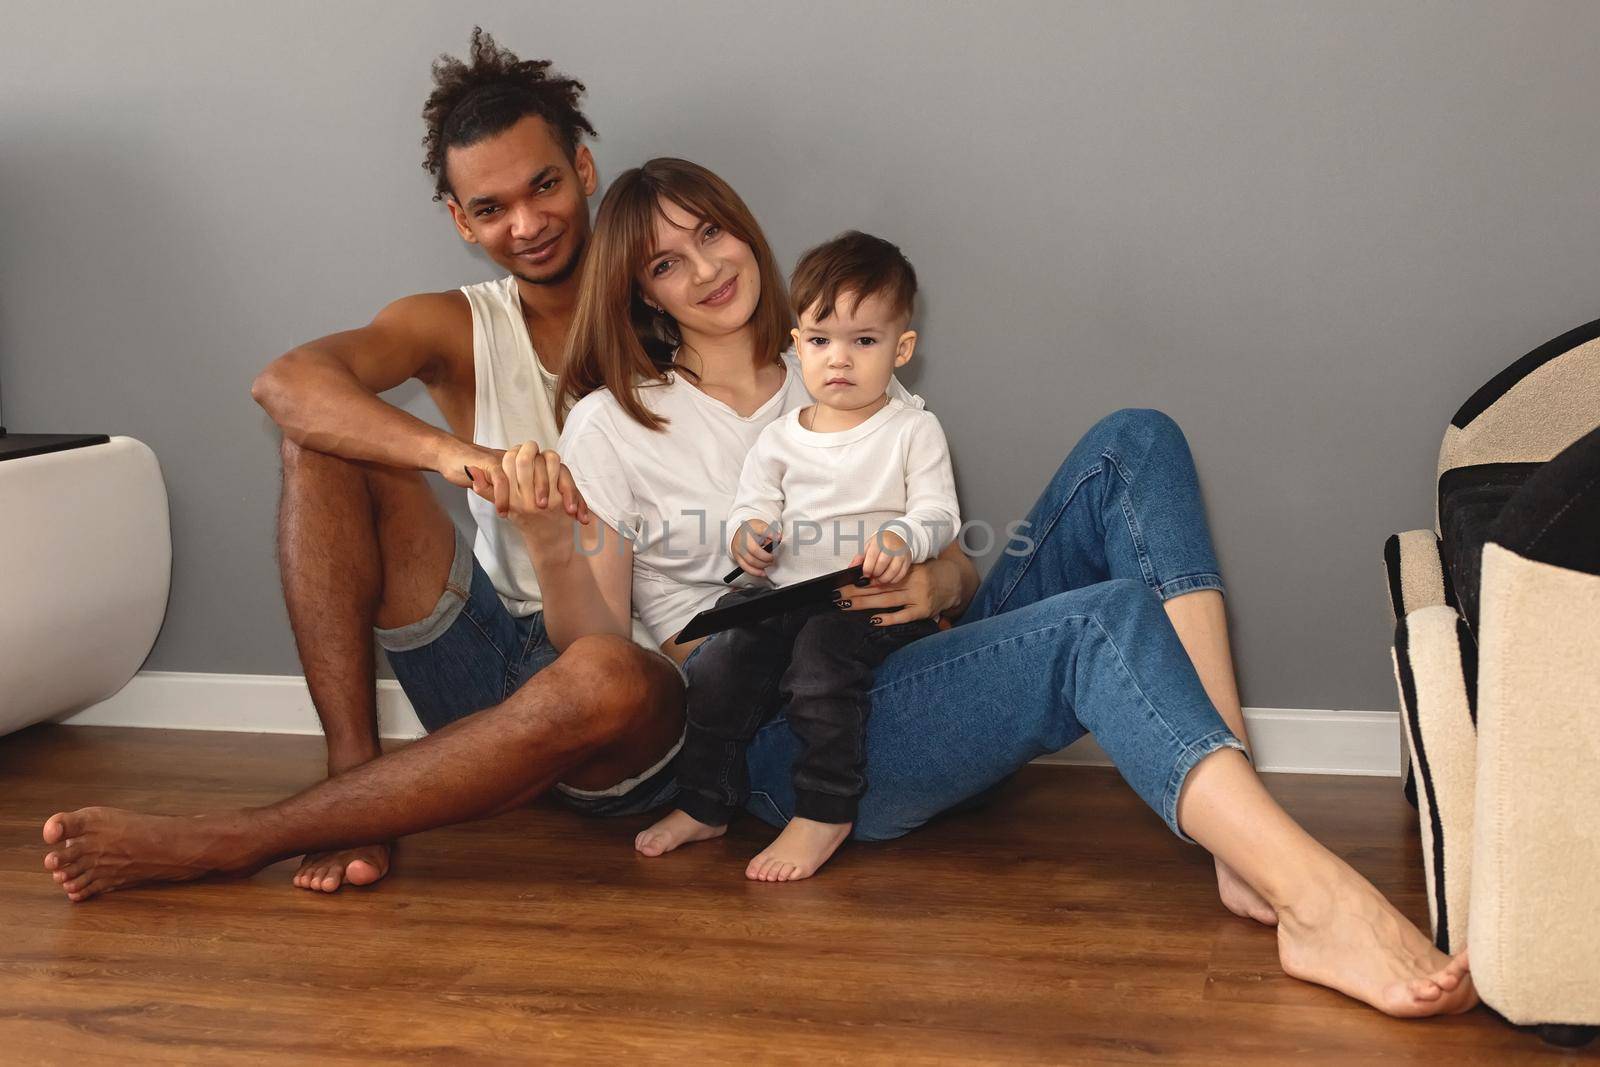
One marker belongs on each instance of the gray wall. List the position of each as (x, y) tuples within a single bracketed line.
[(1305, 230)]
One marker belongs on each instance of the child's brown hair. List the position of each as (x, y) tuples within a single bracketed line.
[(852, 262)]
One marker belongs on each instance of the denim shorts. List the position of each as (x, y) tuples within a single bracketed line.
[(471, 653)]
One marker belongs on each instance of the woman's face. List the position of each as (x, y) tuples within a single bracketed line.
[(704, 277)]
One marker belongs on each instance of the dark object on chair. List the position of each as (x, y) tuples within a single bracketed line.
[(18, 445)]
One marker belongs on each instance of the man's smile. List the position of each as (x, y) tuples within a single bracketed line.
[(540, 252)]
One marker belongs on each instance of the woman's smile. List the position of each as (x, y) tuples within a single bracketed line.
[(722, 294)]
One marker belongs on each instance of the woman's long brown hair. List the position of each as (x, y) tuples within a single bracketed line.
[(618, 342)]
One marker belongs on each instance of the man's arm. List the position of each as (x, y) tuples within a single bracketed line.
[(324, 394)]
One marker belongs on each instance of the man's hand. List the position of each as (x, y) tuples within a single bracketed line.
[(456, 459), (532, 488), (746, 546), (887, 560)]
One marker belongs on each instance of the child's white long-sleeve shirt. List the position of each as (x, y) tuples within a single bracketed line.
[(832, 491)]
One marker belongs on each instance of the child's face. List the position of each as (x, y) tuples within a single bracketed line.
[(848, 358)]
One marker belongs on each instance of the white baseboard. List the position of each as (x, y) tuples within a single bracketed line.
[(1292, 741), (1296, 742), (239, 703)]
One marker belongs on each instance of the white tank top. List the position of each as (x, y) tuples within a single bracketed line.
[(514, 402)]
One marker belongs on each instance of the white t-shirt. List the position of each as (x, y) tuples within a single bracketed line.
[(832, 491), (672, 489), (514, 402)]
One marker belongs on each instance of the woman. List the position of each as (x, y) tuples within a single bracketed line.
[(1111, 622)]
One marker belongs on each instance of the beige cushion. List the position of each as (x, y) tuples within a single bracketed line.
[(1535, 911)]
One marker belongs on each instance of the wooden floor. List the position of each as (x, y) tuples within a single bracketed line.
[(1062, 924)]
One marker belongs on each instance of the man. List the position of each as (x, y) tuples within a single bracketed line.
[(364, 544)]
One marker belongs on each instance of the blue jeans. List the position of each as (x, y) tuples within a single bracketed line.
[(1064, 639)]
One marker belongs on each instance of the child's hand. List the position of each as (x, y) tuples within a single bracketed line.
[(746, 546), (888, 559)]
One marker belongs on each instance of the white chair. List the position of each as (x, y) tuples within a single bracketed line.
[(85, 566)]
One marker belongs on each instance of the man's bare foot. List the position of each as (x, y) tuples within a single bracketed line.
[(97, 850), (1239, 898), (327, 871), (679, 828), (799, 852), (1343, 934)]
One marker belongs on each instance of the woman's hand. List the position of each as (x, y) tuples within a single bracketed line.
[(931, 588), (532, 488)]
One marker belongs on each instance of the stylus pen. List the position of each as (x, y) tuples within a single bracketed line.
[(766, 546)]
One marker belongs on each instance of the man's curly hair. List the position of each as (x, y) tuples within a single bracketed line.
[(490, 93)]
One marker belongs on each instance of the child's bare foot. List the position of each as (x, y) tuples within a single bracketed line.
[(679, 828), (799, 852), (1347, 936)]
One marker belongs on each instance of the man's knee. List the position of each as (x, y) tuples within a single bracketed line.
[(619, 681), (313, 471), (295, 457)]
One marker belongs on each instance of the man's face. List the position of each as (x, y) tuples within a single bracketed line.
[(847, 359), (520, 198)]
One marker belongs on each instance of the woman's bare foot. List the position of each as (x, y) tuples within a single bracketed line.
[(679, 828), (1239, 898), (1343, 934), (327, 871), (97, 850), (799, 852)]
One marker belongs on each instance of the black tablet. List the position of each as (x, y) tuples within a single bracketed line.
[(770, 603)]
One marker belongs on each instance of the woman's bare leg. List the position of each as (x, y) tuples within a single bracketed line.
[(1334, 927), (1202, 624)]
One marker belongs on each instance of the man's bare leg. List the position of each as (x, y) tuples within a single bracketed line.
[(604, 711), (1202, 624), (1334, 927), (358, 545)]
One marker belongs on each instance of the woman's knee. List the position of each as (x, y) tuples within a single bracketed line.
[(1115, 600), (1141, 429)]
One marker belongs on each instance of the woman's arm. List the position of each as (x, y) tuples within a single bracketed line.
[(584, 567), (587, 585), (964, 577)]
